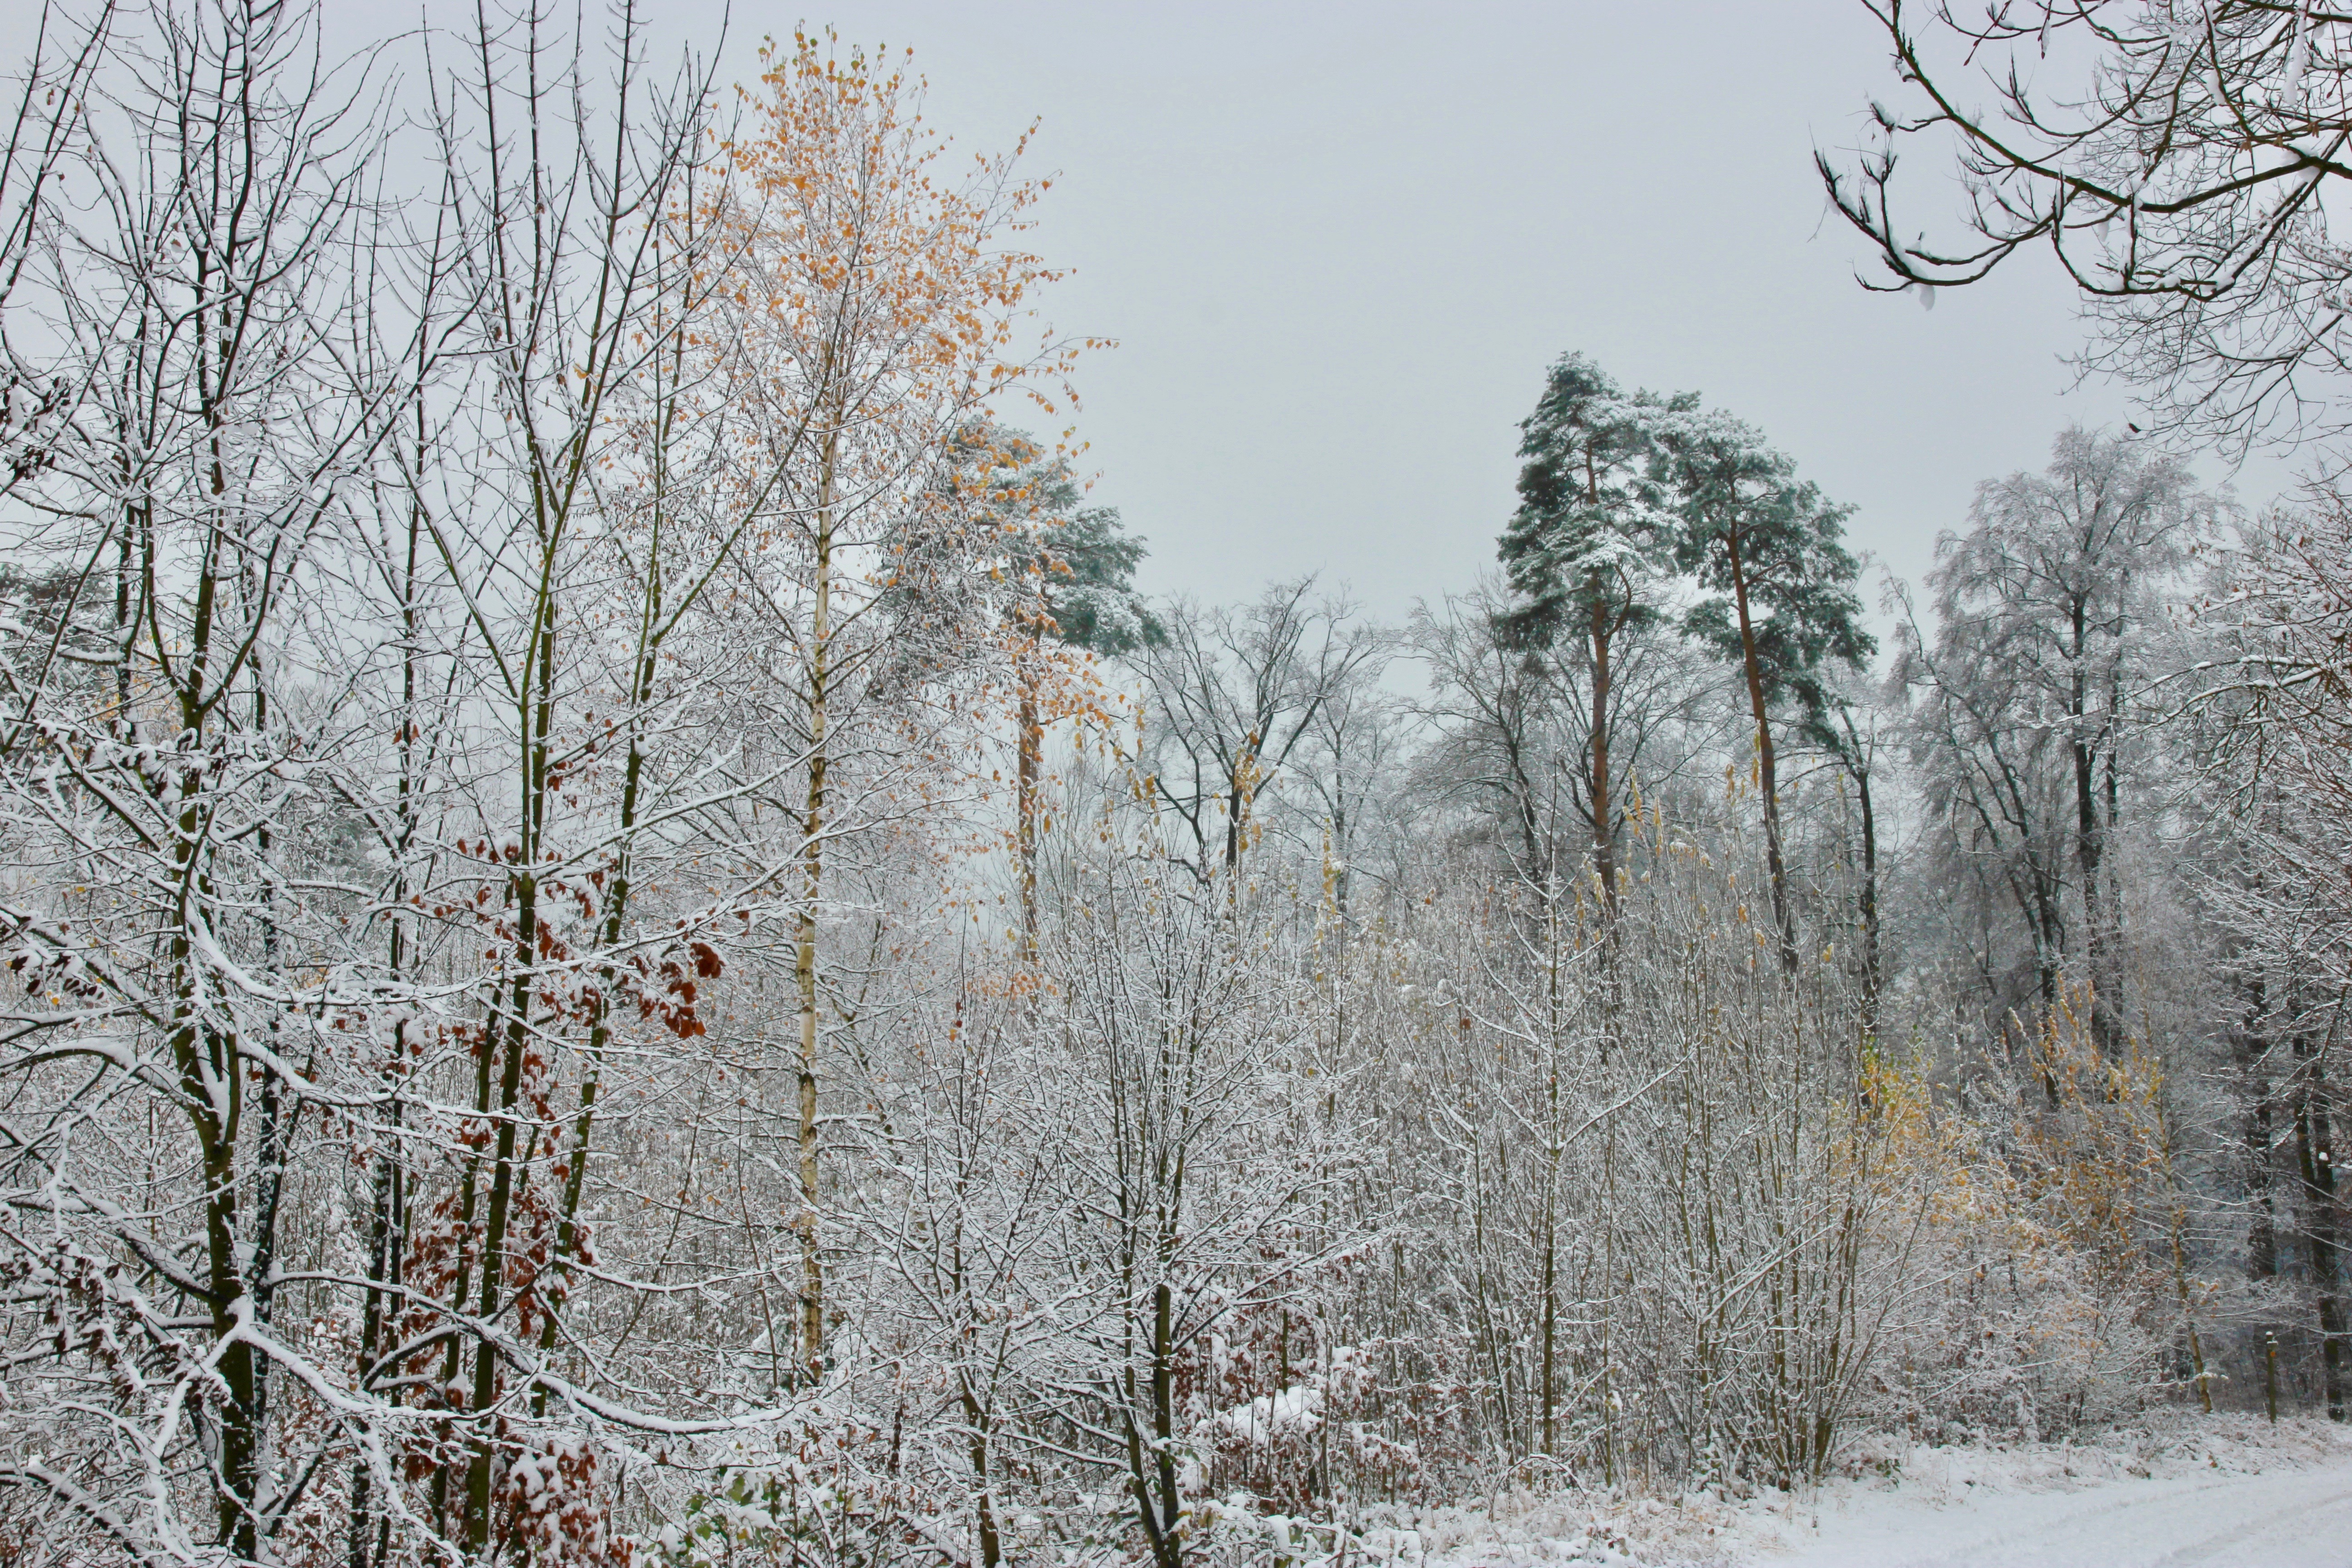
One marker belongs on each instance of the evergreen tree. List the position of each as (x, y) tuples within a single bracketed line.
[(1074, 567), (1766, 551), (1078, 559), (1584, 549)]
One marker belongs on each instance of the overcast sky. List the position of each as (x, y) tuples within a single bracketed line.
[(1338, 245)]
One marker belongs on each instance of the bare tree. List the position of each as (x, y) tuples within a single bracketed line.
[(1233, 695), (2044, 649), (2177, 157), (1507, 722), (1181, 1033), (198, 421)]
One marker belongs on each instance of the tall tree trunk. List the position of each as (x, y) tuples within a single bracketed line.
[(1555, 1007), (2322, 1225), (1766, 772), (1151, 1442), (1854, 758), (1871, 973), (2045, 914), (2260, 1138), (211, 1067), (387, 1228), (1604, 826), (1163, 1402), (209, 1062), (573, 1171), (2090, 850), (386, 1235), (812, 890), (1028, 767), (539, 717), (274, 1126), (1607, 1389)]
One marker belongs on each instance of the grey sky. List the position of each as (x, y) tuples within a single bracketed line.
[(1338, 245)]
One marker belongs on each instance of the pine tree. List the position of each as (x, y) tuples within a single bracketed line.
[(1074, 565), (1584, 550), (1768, 551)]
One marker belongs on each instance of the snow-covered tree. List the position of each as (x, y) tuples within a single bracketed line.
[(1587, 548), (2051, 625), (1767, 552)]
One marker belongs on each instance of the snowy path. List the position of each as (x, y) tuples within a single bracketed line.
[(2296, 1519), (2173, 1490)]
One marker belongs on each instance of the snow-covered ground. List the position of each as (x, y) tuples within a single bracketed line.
[(2225, 1492), (1961, 1509)]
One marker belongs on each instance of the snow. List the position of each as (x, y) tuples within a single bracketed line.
[(2295, 1519), (1293, 1412), (2220, 1492)]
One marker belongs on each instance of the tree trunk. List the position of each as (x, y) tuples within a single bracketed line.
[(1766, 772), (1870, 959), (1604, 834), (1028, 767), (539, 721), (212, 1073), (977, 1413), (2090, 852), (1547, 1385), (2322, 1227), (812, 889), (387, 1227), (2260, 1136)]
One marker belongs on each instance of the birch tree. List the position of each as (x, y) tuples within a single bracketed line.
[(881, 306)]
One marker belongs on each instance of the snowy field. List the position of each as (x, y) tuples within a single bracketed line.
[(2228, 1492)]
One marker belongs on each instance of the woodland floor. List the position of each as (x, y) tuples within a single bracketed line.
[(2228, 1491)]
